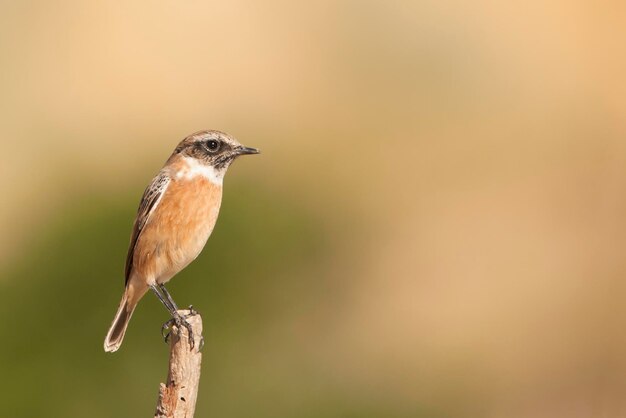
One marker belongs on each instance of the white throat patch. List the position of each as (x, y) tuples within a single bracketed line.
[(194, 168)]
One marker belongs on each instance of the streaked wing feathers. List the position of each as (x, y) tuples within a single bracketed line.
[(149, 201)]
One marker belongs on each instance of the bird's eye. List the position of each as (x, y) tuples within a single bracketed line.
[(212, 145)]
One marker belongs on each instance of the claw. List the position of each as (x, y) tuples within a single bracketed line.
[(178, 321), (165, 327), (191, 313), (189, 332)]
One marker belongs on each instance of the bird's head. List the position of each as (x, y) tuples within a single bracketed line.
[(213, 148)]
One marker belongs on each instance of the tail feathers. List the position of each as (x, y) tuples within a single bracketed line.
[(115, 336)]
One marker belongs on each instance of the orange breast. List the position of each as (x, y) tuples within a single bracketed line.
[(177, 229)]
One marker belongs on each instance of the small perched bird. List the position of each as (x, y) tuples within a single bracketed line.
[(176, 216)]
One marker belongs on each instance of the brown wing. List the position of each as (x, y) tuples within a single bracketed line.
[(149, 201)]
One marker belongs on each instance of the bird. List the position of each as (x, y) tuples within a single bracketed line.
[(176, 216)]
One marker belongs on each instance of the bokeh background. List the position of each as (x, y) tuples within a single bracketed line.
[(436, 226)]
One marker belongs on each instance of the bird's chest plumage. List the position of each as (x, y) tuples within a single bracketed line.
[(179, 227)]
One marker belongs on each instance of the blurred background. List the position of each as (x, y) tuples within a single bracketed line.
[(435, 228)]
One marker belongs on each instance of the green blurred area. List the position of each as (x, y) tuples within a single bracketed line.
[(64, 292)]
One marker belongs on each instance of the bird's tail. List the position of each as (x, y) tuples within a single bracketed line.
[(115, 336)]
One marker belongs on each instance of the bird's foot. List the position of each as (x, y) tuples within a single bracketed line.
[(178, 321), (193, 312)]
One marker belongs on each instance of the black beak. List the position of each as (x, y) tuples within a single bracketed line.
[(246, 150)]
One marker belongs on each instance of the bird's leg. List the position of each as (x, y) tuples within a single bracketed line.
[(166, 302), (170, 308), (168, 296), (192, 311), (176, 319)]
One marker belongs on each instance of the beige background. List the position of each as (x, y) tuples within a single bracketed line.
[(460, 165)]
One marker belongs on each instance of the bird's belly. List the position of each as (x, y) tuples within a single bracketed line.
[(178, 229)]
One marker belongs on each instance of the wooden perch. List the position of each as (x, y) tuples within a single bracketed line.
[(177, 398)]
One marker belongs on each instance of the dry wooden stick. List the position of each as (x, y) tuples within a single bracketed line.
[(177, 398)]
